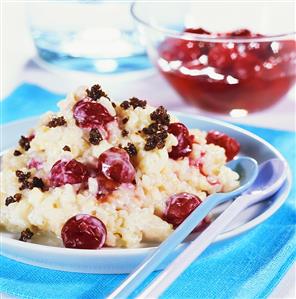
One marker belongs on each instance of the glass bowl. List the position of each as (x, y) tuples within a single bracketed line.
[(223, 57)]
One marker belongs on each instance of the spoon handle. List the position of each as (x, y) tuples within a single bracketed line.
[(178, 266), (161, 252)]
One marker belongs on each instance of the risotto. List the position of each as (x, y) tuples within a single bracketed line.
[(99, 173)]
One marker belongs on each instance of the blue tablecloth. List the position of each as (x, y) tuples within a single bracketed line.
[(249, 266)]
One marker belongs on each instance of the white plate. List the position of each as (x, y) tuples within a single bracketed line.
[(113, 260)]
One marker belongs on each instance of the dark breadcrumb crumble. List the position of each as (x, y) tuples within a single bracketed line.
[(27, 183), (160, 116), (17, 196), (156, 141), (67, 148), (17, 153), (131, 149), (95, 136), (133, 102), (57, 122), (153, 128), (24, 143), (125, 105), (158, 130), (125, 120), (26, 235), (124, 133), (22, 176), (96, 92), (38, 183), (11, 199)]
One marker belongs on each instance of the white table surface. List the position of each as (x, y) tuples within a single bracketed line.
[(17, 66)]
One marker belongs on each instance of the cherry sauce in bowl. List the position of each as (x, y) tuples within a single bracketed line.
[(235, 74), (221, 57)]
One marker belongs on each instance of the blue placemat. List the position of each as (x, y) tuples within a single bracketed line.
[(249, 266)]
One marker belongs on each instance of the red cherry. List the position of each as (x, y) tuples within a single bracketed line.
[(177, 49), (84, 232), (166, 49), (244, 66), (287, 53), (91, 114), (105, 186), (230, 145), (262, 50), (197, 31), (221, 57), (68, 172), (187, 50), (241, 33), (179, 207), (115, 165), (202, 225), (184, 50), (184, 146), (287, 47)]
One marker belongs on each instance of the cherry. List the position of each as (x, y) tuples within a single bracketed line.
[(221, 57), (287, 52), (188, 51), (84, 232), (200, 47), (197, 31), (287, 47), (185, 50), (167, 49), (230, 145), (202, 225), (262, 50), (191, 51), (244, 66), (184, 146), (115, 165), (105, 186), (241, 33), (91, 114), (68, 172), (179, 207)]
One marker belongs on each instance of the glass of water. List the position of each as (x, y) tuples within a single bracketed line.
[(91, 36)]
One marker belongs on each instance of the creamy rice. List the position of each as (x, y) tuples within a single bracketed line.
[(132, 213)]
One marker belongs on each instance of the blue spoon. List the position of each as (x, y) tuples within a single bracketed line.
[(247, 169)]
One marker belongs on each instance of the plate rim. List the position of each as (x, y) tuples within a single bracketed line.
[(109, 252)]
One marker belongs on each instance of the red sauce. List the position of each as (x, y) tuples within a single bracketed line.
[(224, 76), (198, 163)]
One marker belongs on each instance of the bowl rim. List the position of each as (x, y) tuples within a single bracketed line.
[(202, 37)]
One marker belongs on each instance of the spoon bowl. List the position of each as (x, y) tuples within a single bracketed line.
[(272, 174)]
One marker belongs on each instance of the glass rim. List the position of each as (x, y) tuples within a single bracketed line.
[(202, 37)]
